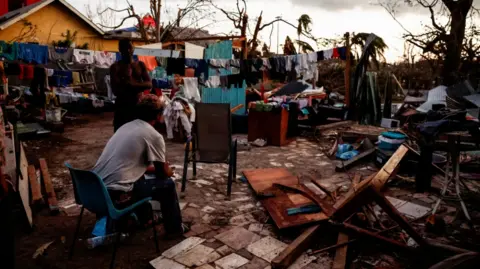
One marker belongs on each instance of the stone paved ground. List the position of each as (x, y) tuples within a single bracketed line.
[(226, 233)]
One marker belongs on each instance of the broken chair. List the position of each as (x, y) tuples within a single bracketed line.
[(212, 141)]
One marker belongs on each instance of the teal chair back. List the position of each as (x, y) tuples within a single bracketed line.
[(90, 191)]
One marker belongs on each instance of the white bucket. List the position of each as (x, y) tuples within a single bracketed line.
[(54, 115)]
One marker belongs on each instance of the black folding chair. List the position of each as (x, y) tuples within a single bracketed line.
[(212, 141)]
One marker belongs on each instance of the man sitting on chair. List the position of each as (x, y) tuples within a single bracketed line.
[(135, 148)]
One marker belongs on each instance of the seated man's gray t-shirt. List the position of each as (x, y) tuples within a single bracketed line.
[(128, 153)]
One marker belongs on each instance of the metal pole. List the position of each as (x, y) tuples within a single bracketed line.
[(278, 32)]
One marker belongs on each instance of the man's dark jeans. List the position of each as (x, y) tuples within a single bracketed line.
[(163, 191)]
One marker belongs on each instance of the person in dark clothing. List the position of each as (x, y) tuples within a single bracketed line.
[(128, 80)]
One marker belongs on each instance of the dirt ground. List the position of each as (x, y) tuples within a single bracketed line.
[(82, 143)]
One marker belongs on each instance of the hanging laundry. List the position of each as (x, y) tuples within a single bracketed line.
[(213, 81), (119, 57), (301, 63), (193, 51), (328, 54), (33, 53), (159, 73), (320, 56), (192, 63), (104, 59), (342, 52), (161, 61), (191, 91), (160, 84), (12, 69), (83, 56), (235, 66), (224, 82), (176, 66), (235, 81), (266, 64), (8, 51), (62, 78), (58, 53), (202, 69), (49, 72), (27, 71), (289, 62), (335, 54), (149, 61)]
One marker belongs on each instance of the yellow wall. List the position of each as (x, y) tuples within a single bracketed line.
[(55, 19)]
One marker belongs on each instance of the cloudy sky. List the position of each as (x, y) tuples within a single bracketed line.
[(331, 18)]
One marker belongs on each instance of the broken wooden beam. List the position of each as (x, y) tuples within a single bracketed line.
[(295, 249), (396, 215), (340, 124), (52, 198), (346, 227), (34, 186), (390, 168), (345, 165), (340, 260)]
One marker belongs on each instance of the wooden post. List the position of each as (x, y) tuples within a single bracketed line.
[(244, 35), (347, 70)]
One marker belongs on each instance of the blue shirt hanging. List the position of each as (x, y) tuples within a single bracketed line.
[(33, 53)]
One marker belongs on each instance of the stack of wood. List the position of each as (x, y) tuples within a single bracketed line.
[(35, 188)]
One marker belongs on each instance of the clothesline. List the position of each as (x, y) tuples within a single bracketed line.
[(41, 54)]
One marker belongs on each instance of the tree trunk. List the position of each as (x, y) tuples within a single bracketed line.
[(459, 11), (255, 35)]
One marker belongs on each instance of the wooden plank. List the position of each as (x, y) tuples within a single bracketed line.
[(340, 124), (347, 164), (390, 168), (295, 249), (34, 186), (23, 189), (52, 198), (340, 260), (261, 180)]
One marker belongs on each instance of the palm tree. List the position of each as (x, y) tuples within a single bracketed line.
[(304, 46), (377, 48), (304, 23)]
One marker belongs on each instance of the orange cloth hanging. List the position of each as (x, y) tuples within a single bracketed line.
[(149, 61)]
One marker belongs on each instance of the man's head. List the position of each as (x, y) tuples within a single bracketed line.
[(150, 109), (125, 47)]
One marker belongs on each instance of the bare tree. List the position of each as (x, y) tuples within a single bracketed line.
[(239, 18), (448, 41), (197, 10)]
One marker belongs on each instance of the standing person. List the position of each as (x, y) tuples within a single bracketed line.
[(127, 157), (128, 80)]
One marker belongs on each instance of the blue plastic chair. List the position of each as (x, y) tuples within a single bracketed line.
[(91, 193)]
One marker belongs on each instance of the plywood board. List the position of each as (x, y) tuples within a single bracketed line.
[(23, 186), (277, 208), (262, 180)]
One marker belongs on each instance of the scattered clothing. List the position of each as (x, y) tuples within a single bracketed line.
[(128, 153), (58, 53), (27, 71), (104, 59), (33, 53), (83, 56)]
